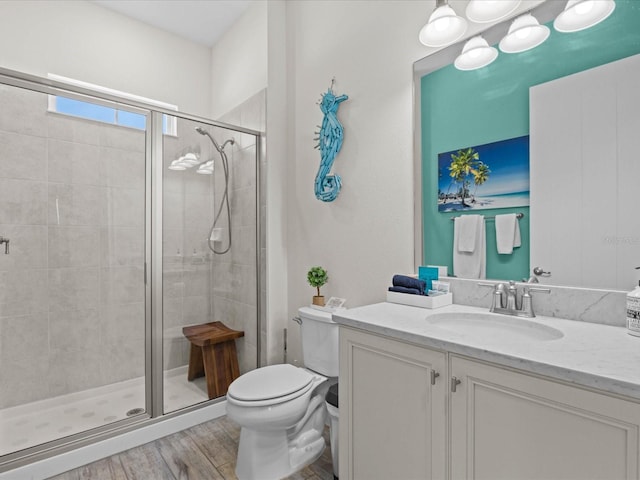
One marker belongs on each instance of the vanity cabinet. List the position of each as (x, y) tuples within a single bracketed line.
[(505, 424), (392, 409), (473, 421)]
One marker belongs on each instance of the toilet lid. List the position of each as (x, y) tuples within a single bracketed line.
[(270, 382)]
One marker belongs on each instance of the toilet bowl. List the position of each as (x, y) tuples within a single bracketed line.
[(281, 409)]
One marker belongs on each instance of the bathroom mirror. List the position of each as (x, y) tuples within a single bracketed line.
[(460, 109)]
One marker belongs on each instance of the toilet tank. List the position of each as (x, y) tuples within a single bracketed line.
[(319, 341)]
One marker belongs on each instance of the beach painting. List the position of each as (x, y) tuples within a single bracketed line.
[(494, 175)]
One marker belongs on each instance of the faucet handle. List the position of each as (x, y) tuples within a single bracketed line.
[(527, 301), (527, 304)]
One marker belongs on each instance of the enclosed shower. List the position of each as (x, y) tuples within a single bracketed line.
[(123, 222)]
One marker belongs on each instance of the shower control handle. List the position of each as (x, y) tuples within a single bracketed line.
[(6, 244)]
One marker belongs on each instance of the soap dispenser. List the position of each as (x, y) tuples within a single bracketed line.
[(633, 311)]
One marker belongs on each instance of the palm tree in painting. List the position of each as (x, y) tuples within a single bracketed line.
[(462, 165), (480, 175)]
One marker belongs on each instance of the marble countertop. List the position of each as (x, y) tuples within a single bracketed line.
[(587, 354)]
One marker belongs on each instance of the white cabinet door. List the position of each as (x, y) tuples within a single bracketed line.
[(513, 426), (392, 418)]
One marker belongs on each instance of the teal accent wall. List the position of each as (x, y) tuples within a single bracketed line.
[(463, 109)]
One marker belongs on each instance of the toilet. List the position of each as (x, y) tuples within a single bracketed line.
[(281, 409)]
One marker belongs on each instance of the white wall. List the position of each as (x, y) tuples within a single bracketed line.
[(88, 42), (249, 58), (279, 112), (239, 61), (366, 234)]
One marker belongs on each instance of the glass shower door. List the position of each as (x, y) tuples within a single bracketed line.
[(72, 283), (209, 253)]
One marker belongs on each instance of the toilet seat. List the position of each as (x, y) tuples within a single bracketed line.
[(270, 385)]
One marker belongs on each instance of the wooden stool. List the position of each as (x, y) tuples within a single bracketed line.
[(213, 354)]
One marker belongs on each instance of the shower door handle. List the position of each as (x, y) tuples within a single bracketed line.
[(6, 244)]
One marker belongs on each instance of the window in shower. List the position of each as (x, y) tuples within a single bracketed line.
[(107, 114), (100, 113)]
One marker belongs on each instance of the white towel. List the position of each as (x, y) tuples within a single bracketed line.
[(468, 226), (470, 264), (507, 233)]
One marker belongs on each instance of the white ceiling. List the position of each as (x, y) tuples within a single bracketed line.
[(201, 21)]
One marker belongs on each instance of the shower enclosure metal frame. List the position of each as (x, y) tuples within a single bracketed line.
[(153, 263)]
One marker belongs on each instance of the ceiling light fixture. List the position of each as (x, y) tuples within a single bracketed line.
[(476, 53), (487, 11), (444, 26), (581, 14), (524, 34)]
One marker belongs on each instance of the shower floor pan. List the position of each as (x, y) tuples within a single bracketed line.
[(31, 424)]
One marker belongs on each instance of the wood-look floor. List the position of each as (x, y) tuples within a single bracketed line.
[(204, 452)]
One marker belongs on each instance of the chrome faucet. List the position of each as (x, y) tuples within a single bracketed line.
[(509, 300)]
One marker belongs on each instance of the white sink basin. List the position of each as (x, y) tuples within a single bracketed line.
[(494, 325)]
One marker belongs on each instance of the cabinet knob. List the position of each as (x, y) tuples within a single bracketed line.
[(454, 383), (434, 375)]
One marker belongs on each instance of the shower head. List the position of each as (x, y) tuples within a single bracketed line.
[(202, 131)]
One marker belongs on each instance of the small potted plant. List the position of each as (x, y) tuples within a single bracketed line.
[(317, 277)]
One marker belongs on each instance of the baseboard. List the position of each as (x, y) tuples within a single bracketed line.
[(52, 466)]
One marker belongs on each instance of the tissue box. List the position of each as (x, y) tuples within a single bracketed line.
[(421, 301)]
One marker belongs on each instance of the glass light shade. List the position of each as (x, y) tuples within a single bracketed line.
[(476, 53), (581, 14), (524, 34), (443, 28), (486, 11), (176, 165), (190, 158), (206, 168), (183, 163)]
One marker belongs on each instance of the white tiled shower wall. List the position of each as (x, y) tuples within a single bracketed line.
[(235, 274), (71, 289)]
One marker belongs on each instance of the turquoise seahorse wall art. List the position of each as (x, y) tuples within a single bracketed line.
[(327, 186)]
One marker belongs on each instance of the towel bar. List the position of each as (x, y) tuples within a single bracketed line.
[(493, 217)]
